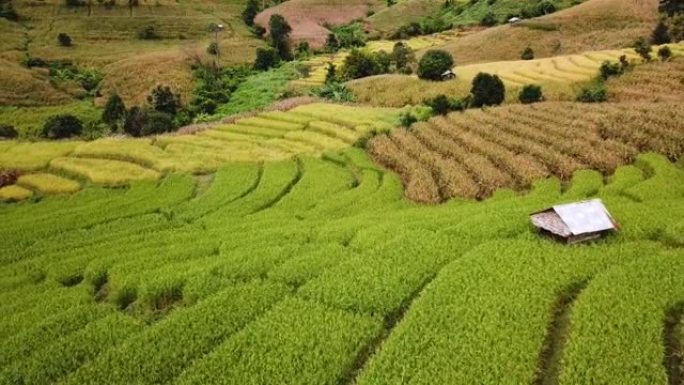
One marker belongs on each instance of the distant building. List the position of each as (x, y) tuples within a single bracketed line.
[(575, 222), (448, 75)]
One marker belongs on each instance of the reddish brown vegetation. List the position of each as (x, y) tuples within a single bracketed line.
[(308, 17), (8, 177)]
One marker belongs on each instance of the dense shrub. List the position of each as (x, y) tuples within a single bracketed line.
[(162, 99), (64, 40), (609, 69), (148, 33), (643, 48), (406, 119), (527, 54), (664, 53), (334, 91), (62, 126), (360, 64), (156, 122), (403, 57), (487, 90), (8, 132), (330, 73), (213, 48), (350, 36), (488, 20), (266, 58), (530, 93), (8, 177), (7, 11), (434, 63), (135, 119), (442, 104), (114, 110), (594, 93), (331, 43), (303, 50), (661, 34), (215, 87), (74, 3)]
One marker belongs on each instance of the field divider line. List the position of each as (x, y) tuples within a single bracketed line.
[(390, 322), (257, 182), (548, 367), (288, 188), (674, 347)]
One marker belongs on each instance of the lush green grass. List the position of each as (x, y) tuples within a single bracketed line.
[(29, 121), (259, 91), (319, 271)]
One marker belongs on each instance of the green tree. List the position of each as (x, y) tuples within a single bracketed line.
[(488, 20), (330, 73), (280, 32), (360, 64), (266, 58), (162, 99), (303, 50), (135, 119), (403, 57), (527, 54), (487, 90), (156, 122), (661, 34), (64, 40), (250, 12), (332, 44), (434, 63), (62, 126), (114, 110), (643, 48), (531, 93), (664, 53)]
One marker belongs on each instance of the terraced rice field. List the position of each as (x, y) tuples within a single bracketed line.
[(559, 69), (318, 271), (309, 129), (473, 154), (318, 64)]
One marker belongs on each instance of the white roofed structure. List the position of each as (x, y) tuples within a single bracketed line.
[(575, 222)]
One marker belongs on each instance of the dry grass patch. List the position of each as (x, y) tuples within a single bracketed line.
[(653, 82), (593, 25), (307, 17)]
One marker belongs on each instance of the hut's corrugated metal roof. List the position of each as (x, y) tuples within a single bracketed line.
[(585, 217)]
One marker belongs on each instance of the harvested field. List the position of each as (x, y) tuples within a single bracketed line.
[(307, 17), (654, 82), (472, 154)]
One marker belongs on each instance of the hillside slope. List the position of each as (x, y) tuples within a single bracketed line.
[(107, 38), (593, 25), (309, 17)]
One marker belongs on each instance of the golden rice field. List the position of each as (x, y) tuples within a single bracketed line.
[(63, 166), (559, 77), (472, 154), (318, 64)]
